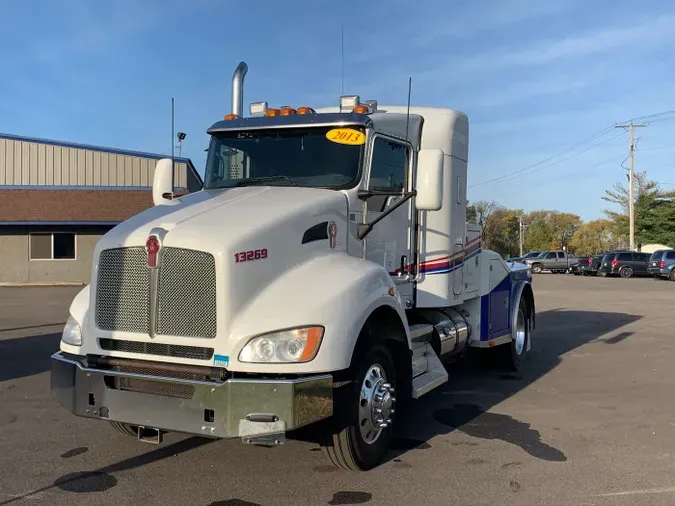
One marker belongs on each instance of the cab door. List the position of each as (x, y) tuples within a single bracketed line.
[(389, 178)]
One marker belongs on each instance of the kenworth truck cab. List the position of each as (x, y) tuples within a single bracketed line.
[(323, 274)]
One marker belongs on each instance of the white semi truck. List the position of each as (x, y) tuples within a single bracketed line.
[(323, 274)]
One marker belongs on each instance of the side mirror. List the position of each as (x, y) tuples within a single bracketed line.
[(162, 183), (429, 183)]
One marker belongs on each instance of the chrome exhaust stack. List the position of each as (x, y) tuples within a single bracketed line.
[(238, 89), (149, 435)]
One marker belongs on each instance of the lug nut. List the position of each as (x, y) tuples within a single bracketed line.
[(386, 386)]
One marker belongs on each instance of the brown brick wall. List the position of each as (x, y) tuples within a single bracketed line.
[(37, 205)]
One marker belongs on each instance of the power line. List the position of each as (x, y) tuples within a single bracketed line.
[(655, 115), (570, 174), (510, 176)]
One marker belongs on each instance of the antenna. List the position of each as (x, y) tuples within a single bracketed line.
[(407, 119), (173, 162), (342, 61)]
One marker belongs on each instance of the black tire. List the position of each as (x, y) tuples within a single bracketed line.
[(671, 276), (125, 428), (514, 354), (626, 272), (344, 443), (536, 268)]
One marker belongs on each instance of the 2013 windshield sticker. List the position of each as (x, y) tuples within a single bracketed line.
[(221, 360), (346, 136)]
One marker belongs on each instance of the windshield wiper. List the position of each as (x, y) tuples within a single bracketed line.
[(262, 179)]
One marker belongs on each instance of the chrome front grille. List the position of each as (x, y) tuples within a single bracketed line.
[(150, 348), (185, 292), (122, 294)]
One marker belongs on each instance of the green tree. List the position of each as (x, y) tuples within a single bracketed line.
[(653, 209)]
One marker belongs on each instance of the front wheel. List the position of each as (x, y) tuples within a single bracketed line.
[(359, 433), (536, 268)]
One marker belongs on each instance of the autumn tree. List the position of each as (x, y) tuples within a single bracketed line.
[(480, 213), (501, 232), (593, 237)]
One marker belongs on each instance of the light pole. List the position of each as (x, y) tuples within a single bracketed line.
[(181, 137)]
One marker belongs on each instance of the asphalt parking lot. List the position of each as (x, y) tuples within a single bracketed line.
[(589, 421)]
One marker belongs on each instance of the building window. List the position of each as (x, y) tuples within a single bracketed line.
[(52, 246)]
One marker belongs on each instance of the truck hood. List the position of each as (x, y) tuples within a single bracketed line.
[(234, 226), (214, 219)]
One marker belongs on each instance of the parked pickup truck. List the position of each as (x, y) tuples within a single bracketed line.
[(552, 260)]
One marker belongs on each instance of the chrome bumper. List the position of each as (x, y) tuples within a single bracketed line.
[(245, 408)]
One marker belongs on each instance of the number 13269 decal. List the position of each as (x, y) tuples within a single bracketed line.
[(250, 255)]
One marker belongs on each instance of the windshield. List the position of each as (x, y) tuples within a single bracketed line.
[(289, 157)]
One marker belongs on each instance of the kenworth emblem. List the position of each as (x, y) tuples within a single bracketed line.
[(152, 247)]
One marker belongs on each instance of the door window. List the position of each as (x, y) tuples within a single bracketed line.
[(551, 255), (389, 165)]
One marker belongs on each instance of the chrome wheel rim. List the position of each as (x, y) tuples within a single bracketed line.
[(376, 401), (520, 332)]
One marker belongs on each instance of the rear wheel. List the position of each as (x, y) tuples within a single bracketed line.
[(125, 428), (359, 433), (513, 355), (671, 276), (626, 272)]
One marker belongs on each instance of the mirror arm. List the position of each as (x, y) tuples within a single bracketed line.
[(363, 229), (366, 194)]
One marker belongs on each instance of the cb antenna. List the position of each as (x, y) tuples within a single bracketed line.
[(342, 60), (172, 129), (407, 119)]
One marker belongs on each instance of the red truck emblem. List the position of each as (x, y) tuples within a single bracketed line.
[(152, 246)]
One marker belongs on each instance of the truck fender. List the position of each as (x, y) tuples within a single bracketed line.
[(524, 289), (336, 291), (79, 309)]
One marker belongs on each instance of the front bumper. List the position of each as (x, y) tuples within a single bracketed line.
[(239, 407)]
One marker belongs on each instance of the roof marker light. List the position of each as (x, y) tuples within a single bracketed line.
[(348, 102), (287, 111), (231, 116), (258, 108), (306, 110), (272, 112), (361, 109)]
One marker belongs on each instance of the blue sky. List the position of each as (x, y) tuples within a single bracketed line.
[(535, 77)]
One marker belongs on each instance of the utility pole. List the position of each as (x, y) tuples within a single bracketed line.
[(631, 201), (520, 234)]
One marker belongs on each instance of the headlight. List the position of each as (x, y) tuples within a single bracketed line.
[(72, 333), (294, 345)]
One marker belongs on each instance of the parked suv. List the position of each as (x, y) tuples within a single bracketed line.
[(625, 264), (662, 264)]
